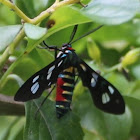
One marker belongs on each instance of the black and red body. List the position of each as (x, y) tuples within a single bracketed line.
[(64, 91)]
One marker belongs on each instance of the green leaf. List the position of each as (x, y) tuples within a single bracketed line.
[(135, 71), (17, 129), (134, 105), (47, 126), (7, 35), (102, 125), (11, 127), (27, 7), (69, 16), (32, 8), (34, 32), (3, 18), (42, 5), (111, 12), (93, 50)]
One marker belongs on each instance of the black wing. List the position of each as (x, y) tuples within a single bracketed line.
[(40, 81), (105, 96)]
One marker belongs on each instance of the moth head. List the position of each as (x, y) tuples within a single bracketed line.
[(67, 47)]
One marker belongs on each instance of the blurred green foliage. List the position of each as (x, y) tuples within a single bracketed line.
[(104, 51)]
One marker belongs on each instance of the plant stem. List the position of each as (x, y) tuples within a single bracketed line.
[(3, 78), (115, 67), (42, 15), (50, 10)]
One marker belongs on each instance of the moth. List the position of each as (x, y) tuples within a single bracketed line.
[(62, 72)]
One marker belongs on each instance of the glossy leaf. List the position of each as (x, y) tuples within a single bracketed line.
[(93, 51), (7, 35), (65, 21), (34, 32), (11, 16), (134, 105), (46, 124), (102, 125), (111, 12), (27, 7), (33, 8)]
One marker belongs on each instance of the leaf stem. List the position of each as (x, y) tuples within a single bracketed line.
[(3, 78), (50, 10), (113, 68), (42, 15)]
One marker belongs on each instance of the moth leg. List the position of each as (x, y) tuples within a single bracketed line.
[(44, 100), (76, 80)]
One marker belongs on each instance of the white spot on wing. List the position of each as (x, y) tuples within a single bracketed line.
[(95, 76), (93, 83), (105, 98), (83, 67), (35, 78), (35, 87), (64, 55), (59, 54), (49, 75), (59, 63), (49, 84), (50, 69), (111, 89)]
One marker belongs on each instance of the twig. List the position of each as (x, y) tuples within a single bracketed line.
[(10, 107), (42, 15)]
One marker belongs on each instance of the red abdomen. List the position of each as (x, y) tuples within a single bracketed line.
[(59, 90), (64, 91)]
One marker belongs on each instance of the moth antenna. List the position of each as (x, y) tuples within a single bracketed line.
[(46, 44), (86, 34), (73, 33)]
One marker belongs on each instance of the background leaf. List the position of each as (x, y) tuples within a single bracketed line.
[(34, 32), (99, 123), (46, 125), (11, 128), (7, 35), (111, 12)]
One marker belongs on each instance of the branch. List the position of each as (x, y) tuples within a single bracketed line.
[(42, 15), (10, 107)]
